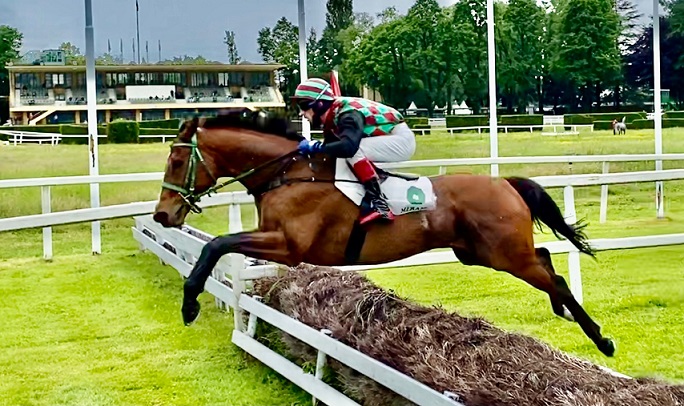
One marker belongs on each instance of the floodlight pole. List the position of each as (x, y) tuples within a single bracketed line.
[(657, 107), (491, 55), (306, 129), (91, 94)]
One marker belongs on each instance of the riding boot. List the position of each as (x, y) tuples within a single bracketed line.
[(365, 171)]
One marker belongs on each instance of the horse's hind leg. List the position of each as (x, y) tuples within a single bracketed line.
[(535, 272), (544, 257)]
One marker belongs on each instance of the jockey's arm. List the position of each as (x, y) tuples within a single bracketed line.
[(350, 133)]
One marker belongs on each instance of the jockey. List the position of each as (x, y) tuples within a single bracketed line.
[(366, 132)]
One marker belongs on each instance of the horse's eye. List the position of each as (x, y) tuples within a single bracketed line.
[(176, 163)]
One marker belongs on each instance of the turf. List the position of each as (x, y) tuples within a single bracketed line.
[(100, 330)]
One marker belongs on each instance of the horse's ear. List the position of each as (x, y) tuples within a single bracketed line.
[(188, 129)]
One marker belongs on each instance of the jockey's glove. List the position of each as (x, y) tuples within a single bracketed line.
[(310, 147)]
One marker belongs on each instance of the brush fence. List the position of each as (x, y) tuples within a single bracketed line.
[(229, 282)]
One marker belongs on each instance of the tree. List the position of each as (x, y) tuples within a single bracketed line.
[(10, 44), (586, 52), (229, 40), (388, 15), (425, 60), (519, 69), (470, 35), (380, 62), (339, 16), (187, 60), (675, 9), (280, 44), (639, 72), (72, 55)]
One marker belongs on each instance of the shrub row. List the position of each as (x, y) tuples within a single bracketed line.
[(667, 123), (589, 118)]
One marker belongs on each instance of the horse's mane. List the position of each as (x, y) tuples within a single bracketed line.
[(261, 121)]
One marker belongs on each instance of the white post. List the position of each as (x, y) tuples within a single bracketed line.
[(306, 128), (91, 94), (321, 362), (493, 135), (658, 123), (573, 255), (234, 219), (237, 265), (47, 231), (603, 213)]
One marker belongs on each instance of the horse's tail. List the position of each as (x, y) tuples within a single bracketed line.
[(545, 210)]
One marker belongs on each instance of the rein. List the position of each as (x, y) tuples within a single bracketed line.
[(191, 198)]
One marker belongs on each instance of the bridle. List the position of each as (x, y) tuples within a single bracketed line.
[(187, 191)]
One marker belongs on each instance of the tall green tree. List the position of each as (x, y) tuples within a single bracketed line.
[(426, 59), (470, 30), (586, 50), (72, 54), (10, 44), (520, 68), (280, 44), (231, 48), (339, 16), (380, 61)]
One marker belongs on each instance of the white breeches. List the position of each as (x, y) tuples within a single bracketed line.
[(397, 146)]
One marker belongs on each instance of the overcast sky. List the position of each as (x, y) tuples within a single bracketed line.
[(192, 27)]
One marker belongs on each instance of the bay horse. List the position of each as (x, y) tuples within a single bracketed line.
[(303, 217)]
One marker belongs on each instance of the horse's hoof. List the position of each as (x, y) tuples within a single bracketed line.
[(607, 347), (191, 311)]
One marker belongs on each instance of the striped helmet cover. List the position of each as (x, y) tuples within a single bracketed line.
[(314, 89)]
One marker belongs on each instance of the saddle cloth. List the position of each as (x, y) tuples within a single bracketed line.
[(403, 195)]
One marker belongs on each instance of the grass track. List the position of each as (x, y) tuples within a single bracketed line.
[(106, 330)]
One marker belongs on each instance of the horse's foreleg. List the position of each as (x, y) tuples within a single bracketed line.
[(261, 245)]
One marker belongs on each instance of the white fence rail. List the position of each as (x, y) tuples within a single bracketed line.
[(20, 137), (48, 218)]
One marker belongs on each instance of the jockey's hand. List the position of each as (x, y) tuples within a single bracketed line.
[(310, 147)]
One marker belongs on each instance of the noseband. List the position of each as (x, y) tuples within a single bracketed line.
[(187, 192)]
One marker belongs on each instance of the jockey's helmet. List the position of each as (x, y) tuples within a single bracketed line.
[(311, 91)]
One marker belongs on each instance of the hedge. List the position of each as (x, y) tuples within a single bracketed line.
[(589, 118), (80, 129), (674, 114), (414, 121), (173, 123), (466, 121), (648, 124), (123, 131), (603, 125), (422, 126)]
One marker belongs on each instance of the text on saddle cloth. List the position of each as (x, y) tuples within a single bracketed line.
[(403, 196)]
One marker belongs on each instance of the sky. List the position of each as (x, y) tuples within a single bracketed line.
[(185, 27)]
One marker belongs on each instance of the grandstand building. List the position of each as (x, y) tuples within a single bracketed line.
[(48, 91)]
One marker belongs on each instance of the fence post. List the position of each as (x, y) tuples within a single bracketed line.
[(234, 219), (321, 362), (237, 265), (573, 255), (604, 196), (47, 231)]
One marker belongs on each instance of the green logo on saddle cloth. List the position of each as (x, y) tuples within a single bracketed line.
[(415, 195)]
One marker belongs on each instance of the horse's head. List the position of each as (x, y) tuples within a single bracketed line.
[(188, 174), (238, 143)]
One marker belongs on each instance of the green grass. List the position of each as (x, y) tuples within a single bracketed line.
[(98, 330)]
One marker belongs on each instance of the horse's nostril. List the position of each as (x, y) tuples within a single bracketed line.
[(161, 218)]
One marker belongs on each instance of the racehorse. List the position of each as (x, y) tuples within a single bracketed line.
[(303, 217)]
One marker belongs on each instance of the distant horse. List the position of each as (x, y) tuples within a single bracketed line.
[(304, 217), (619, 127)]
